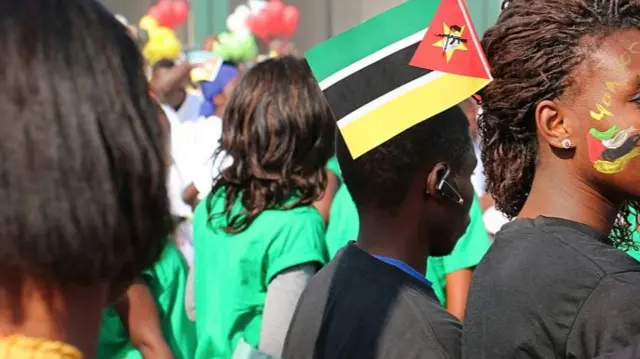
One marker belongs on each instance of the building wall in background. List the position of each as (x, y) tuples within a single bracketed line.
[(319, 19)]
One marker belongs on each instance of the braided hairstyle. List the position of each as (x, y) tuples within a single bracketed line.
[(533, 51)]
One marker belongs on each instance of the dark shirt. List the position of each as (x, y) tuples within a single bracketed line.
[(551, 288), (630, 352), (361, 307)]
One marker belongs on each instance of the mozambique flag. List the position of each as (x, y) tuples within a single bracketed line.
[(398, 69), (611, 150)]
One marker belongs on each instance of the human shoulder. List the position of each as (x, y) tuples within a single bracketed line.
[(552, 243), (270, 221), (428, 330), (609, 318), (167, 271)]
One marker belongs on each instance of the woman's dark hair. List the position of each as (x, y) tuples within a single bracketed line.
[(533, 51), (82, 180), (279, 132)]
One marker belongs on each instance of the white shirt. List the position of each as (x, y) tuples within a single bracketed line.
[(194, 144), (478, 178), (190, 109)]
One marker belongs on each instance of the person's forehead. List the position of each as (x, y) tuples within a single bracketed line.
[(617, 58)]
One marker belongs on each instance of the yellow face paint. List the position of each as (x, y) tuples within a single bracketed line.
[(633, 49), (618, 165), (602, 111)]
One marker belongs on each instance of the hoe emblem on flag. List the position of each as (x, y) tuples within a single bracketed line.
[(451, 41)]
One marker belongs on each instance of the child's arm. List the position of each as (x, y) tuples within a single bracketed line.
[(139, 314), (283, 294), (457, 288), (190, 195)]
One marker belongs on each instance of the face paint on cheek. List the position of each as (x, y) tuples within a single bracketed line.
[(602, 107), (606, 135), (602, 111), (612, 150), (632, 50)]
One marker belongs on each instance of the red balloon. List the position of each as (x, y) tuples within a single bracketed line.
[(290, 20), (274, 12), (180, 11), (259, 26), (164, 10), (155, 12), (165, 6)]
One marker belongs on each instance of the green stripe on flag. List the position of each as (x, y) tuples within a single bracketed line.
[(370, 36)]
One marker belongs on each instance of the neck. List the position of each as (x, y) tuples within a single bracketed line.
[(575, 200), (390, 236), (68, 314), (178, 100)]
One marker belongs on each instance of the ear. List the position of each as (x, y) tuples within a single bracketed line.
[(433, 178), (218, 99), (552, 124)]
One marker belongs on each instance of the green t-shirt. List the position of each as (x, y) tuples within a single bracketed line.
[(167, 281), (636, 238), (344, 226), (232, 271), (334, 166), (344, 222)]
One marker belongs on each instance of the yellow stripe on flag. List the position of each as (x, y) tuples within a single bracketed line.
[(408, 109)]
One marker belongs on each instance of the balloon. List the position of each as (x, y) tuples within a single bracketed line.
[(243, 11), (274, 12), (156, 13), (256, 6), (164, 13), (165, 6), (147, 22), (249, 48), (235, 47), (237, 23), (290, 20), (180, 11), (163, 44), (259, 25)]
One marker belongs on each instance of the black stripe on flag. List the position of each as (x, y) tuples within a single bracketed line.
[(373, 81)]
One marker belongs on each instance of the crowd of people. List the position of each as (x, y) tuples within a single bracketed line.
[(148, 214)]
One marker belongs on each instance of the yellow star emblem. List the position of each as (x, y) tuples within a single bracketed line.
[(451, 40)]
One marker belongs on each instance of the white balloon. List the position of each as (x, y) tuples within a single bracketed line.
[(230, 23), (243, 11), (236, 23), (257, 5)]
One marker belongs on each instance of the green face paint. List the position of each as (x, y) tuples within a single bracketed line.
[(606, 135)]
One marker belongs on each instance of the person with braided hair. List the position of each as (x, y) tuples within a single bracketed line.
[(561, 135)]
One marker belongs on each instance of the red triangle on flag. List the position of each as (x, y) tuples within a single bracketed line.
[(451, 43)]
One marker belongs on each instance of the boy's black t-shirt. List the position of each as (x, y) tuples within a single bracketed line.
[(551, 288), (360, 307)]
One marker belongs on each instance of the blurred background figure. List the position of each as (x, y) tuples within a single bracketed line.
[(80, 139)]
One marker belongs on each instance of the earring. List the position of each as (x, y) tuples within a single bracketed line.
[(567, 144)]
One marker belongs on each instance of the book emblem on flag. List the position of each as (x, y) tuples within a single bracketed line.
[(451, 40)]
